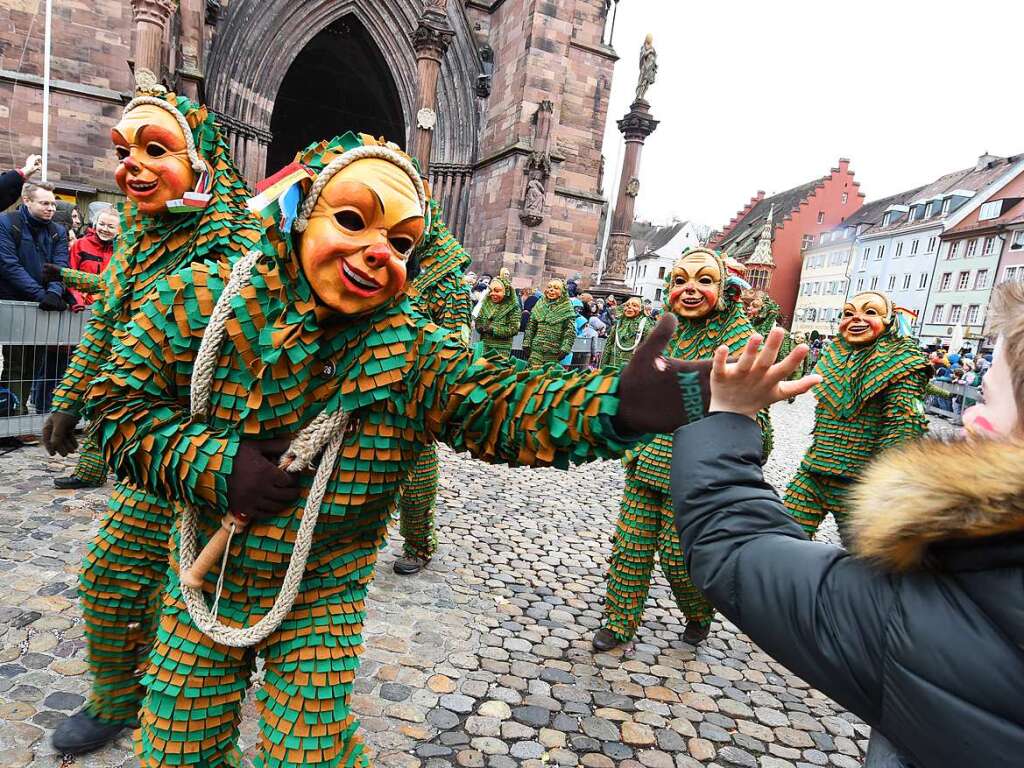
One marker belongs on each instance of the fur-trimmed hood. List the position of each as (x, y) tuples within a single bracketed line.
[(935, 491)]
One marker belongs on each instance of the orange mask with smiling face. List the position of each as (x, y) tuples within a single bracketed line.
[(360, 235), (154, 162), (695, 286), (865, 318)]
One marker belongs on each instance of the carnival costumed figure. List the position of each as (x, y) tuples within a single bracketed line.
[(439, 293), (870, 399), (628, 331), (310, 345), (186, 202), (710, 314), (551, 331), (498, 322)]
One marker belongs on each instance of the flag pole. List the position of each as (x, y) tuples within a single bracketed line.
[(46, 87)]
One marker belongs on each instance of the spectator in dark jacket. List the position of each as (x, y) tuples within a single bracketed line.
[(29, 239), (11, 182), (920, 631)]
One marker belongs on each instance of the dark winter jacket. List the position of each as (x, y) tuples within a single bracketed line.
[(21, 268), (922, 632), (11, 183)]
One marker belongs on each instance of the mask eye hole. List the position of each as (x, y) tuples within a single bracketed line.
[(155, 150), (847, 313), (121, 152), (679, 280), (706, 280), (872, 312), (350, 220), (401, 244)]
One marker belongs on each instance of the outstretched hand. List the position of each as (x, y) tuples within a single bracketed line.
[(651, 399), (755, 380)]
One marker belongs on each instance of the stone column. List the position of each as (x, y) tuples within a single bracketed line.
[(636, 126), (191, 41), (430, 40), (150, 18)]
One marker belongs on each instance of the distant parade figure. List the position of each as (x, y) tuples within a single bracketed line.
[(871, 398), (551, 331), (627, 333), (498, 322)]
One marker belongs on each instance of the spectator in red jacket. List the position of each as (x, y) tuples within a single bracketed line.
[(92, 252)]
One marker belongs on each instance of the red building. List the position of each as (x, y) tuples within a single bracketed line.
[(798, 215)]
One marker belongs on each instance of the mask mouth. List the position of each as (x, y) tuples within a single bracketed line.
[(142, 188), (357, 281), (859, 327)]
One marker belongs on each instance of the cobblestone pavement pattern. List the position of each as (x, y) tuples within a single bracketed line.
[(483, 660)]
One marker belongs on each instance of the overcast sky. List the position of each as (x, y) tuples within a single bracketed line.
[(768, 95)]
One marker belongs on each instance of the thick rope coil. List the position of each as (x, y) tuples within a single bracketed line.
[(328, 428)]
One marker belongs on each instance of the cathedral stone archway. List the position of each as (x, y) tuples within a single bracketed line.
[(340, 81)]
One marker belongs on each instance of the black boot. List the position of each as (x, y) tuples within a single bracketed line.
[(605, 640), (83, 733), (695, 632), (72, 482), (409, 564)]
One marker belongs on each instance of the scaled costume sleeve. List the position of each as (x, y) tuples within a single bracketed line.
[(86, 282), (531, 331), (568, 338), (140, 424), (523, 417), (903, 412), (93, 350)]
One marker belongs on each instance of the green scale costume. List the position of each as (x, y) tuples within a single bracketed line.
[(646, 523), (869, 399), (763, 323), (439, 293), (125, 565), (625, 336), (405, 382), (551, 331), (498, 323)]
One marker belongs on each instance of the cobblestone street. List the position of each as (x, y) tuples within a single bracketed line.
[(483, 660)]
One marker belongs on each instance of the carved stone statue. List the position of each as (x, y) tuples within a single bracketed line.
[(534, 201), (648, 68)]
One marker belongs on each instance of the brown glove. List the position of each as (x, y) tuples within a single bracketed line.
[(657, 395), (59, 433), (257, 488)]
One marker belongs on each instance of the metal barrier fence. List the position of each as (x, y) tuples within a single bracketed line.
[(966, 395), (584, 351), (36, 347)]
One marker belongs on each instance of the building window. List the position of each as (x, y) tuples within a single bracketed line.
[(923, 282), (759, 279), (874, 283), (892, 282), (945, 205), (990, 210), (806, 242), (913, 248), (963, 280), (972, 248), (906, 281), (866, 252), (821, 217), (955, 312), (953, 248), (817, 289), (1018, 240), (981, 280), (860, 285), (899, 249), (657, 294), (661, 273), (881, 253), (972, 314), (947, 280), (986, 249), (938, 313), (1009, 274), (845, 197), (931, 245)]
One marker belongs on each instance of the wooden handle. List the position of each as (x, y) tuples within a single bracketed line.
[(213, 551)]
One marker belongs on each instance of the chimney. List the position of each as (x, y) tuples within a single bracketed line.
[(985, 161)]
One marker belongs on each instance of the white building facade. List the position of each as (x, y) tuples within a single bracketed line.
[(646, 271)]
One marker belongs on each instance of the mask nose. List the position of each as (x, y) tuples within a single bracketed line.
[(377, 255), (131, 165)]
